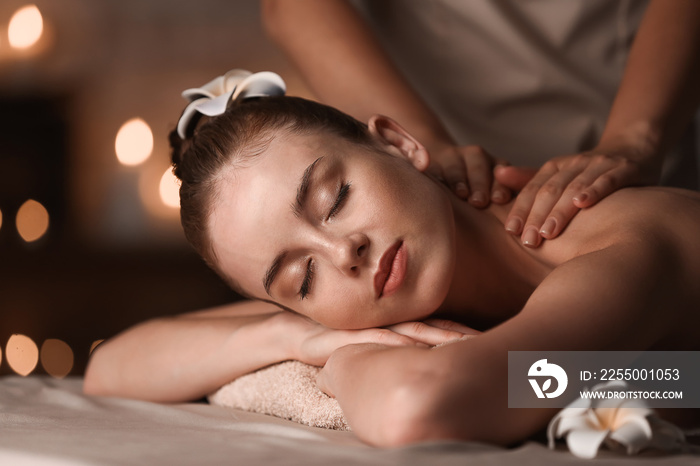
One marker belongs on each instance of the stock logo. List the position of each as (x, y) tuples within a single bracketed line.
[(541, 369)]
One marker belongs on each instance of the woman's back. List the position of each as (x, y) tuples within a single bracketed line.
[(638, 223)]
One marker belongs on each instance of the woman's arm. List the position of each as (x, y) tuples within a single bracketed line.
[(605, 300), (343, 63), (185, 357), (657, 99), (189, 356)]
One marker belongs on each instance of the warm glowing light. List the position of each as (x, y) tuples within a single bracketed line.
[(170, 189), (95, 344), (0, 227), (26, 27), (32, 221), (22, 354), (134, 142), (56, 358)]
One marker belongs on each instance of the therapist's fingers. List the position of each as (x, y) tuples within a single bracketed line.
[(559, 198), (479, 174), (454, 171), (596, 177), (447, 165), (624, 173), (500, 193), (548, 221), (515, 222), (557, 192)]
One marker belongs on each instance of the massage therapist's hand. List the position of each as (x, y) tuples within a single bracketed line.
[(468, 172), (564, 185), (314, 343)]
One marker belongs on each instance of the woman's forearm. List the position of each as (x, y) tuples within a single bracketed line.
[(399, 396), (343, 63), (186, 357), (659, 92)]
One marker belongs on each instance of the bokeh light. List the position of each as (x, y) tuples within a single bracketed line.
[(0, 219), (134, 142), (22, 354), (56, 357), (32, 220), (26, 27), (170, 189)]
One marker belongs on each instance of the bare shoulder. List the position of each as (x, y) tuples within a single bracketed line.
[(651, 216), (641, 245)]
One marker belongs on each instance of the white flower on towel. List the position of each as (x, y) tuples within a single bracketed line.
[(618, 423)]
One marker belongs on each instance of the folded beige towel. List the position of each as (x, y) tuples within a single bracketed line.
[(287, 390)]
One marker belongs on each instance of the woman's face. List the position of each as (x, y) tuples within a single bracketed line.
[(349, 236)]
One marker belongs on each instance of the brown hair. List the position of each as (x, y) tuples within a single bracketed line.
[(241, 133)]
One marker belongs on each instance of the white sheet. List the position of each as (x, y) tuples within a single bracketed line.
[(45, 421)]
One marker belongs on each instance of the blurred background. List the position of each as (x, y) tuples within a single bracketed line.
[(90, 240)]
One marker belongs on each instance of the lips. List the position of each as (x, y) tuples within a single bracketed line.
[(391, 271)]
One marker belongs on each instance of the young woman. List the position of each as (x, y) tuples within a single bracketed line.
[(347, 246)]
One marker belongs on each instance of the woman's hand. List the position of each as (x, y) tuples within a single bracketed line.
[(468, 172), (564, 185), (425, 334), (316, 343), (433, 332)]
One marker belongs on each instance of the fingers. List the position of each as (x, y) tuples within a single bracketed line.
[(429, 334), (515, 222), (563, 186), (625, 174), (315, 349), (552, 208), (500, 193), (454, 172), (452, 325), (468, 172), (479, 174), (383, 336)]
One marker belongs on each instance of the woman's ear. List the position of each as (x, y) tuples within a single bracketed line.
[(393, 135)]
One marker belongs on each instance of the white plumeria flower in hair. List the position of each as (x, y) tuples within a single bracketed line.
[(212, 98), (618, 423)]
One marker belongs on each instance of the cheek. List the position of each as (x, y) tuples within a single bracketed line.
[(339, 303)]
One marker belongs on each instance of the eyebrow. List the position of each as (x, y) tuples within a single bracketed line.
[(297, 208), (303, 189)]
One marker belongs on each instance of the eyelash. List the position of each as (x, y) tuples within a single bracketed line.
[(342, 196), (306, 284), (309, 276)]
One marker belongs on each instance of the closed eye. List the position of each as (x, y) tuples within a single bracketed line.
[(306, 284), (339, 200)]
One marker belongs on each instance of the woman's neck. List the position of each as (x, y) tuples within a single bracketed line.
[(494, 274)]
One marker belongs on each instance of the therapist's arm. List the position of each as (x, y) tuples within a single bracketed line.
[(656, 101), (344, 65)]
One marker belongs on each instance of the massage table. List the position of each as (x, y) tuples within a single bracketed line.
[(48, 421)]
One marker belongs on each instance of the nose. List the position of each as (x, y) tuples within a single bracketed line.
[(349, 253)]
